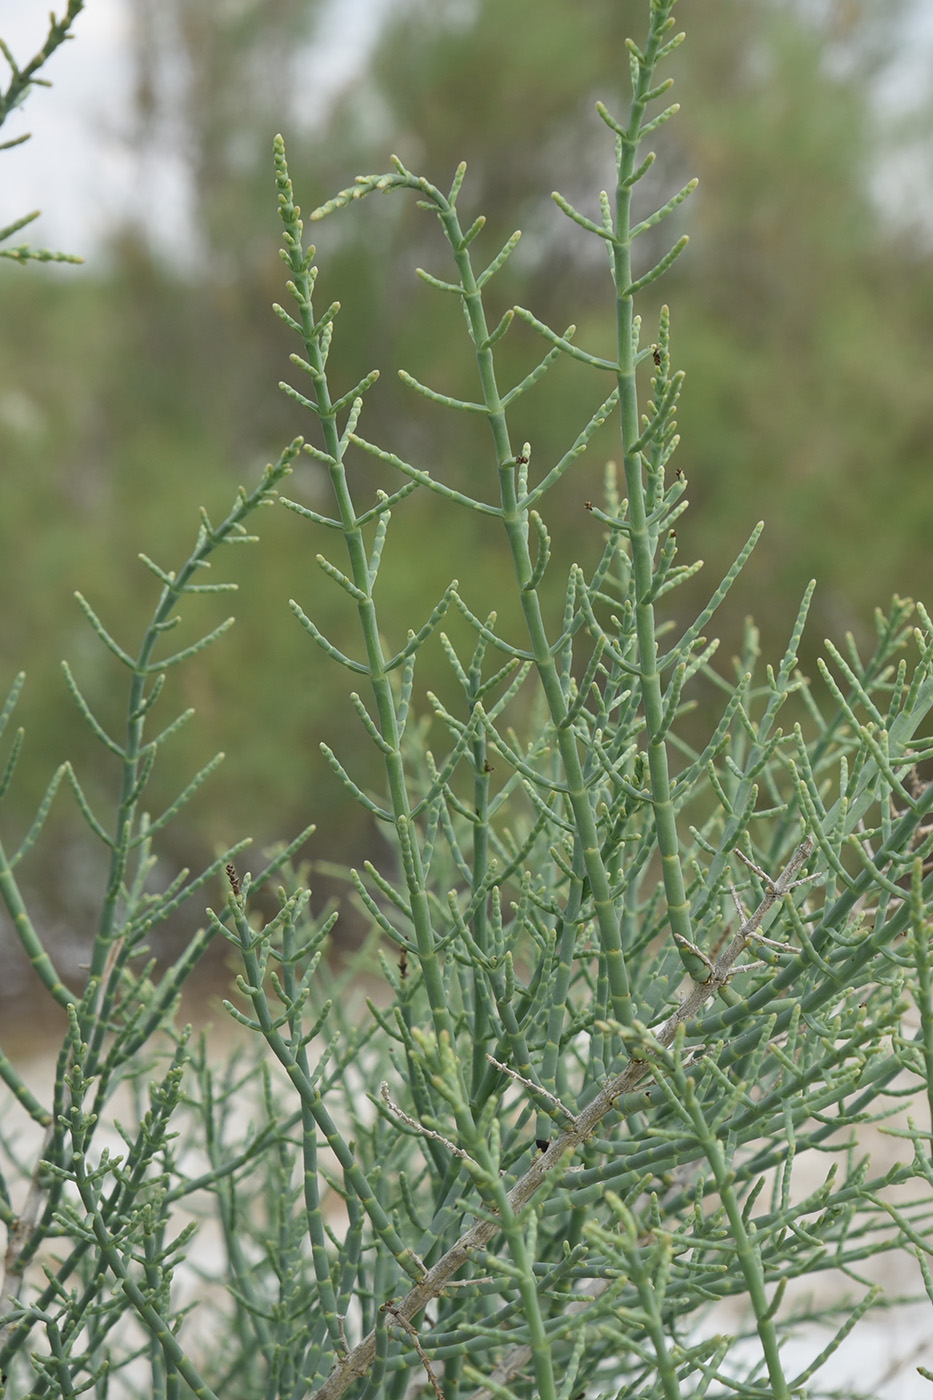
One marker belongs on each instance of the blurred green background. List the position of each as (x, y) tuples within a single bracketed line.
[(143, 385)]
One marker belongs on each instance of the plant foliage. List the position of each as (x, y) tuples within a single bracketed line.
[(625, 979)]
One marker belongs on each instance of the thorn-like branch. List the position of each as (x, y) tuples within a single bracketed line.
[(406, 1326), (417, 1127), (530, 1084)]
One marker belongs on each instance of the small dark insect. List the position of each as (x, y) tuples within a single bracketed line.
[(587, 505), (521, 459), (656, 355), (679, 474), (234, 880), (487, 766), (403, 964)]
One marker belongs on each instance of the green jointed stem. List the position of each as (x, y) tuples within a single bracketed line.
[(515, 514), (309, 1092), (41, 962), (519, 1229), (515, 519), (134, 747), (652, 1298), (315, 344), (640, 535), (747, 1251), (311, 1174), (158, 1327), (921, 948), (482, 1027)]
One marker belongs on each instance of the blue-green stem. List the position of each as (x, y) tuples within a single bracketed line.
[(39, 959), (481, 772), (389, 726), (106, 954), (652, 1297), (640, 534), (519, 1231), (920, 944), (311, 1175), (515, 519), (747, 1252), (158, 1327), (309, 1090)]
